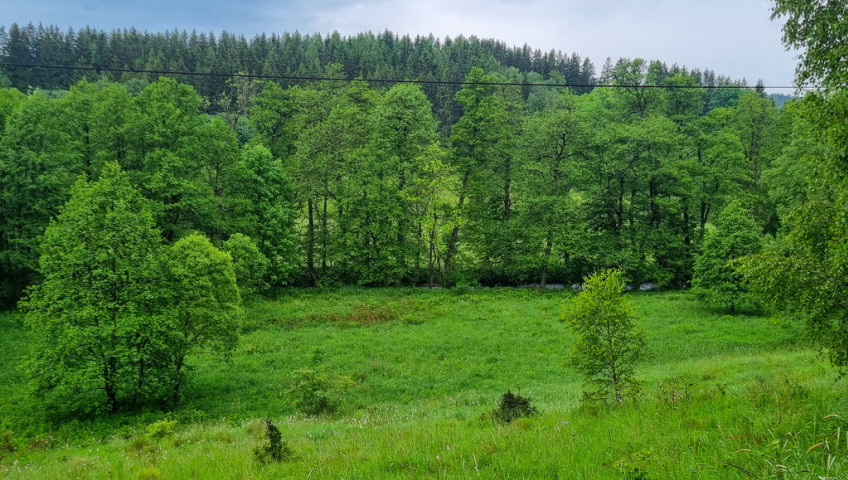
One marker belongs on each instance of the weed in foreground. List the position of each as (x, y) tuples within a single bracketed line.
[(513, 406), (275, 449)]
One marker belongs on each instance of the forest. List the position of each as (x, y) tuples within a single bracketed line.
[(347, 182), (297, 254)]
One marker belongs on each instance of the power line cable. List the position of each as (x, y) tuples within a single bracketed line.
[(299, 78)]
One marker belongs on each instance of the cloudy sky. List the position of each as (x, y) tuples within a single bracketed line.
[(732, 37)]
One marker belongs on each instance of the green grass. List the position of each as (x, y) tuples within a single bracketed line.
[(724, 397)]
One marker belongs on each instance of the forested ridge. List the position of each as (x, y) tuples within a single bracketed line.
[(115, 56), (344, 182)]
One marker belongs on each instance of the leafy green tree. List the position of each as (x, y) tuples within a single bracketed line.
[(787, 180), (635, 193), (97, 336), (113, 119), (804, 273), (205, 303), (756, 118), (272, 113), (435, 190), (478, 140), (715, 278), (37, 169), (10, 98), (819, 31), (268, 211), (553, 146), (331, 161), (249, 265), (215, 206), (609, 341), (169, 174), (404, 134), (718, 171)]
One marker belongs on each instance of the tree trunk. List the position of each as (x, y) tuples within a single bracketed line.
[(454, 238), (139, 383), (617, 386), (178, 380), (310, 244), (325, 234), (548, 248), (110, 384)]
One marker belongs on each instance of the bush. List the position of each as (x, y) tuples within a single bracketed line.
[(7, 441), (275, 449), (161, 429), (249, 264), (512, 406), (314, 392)]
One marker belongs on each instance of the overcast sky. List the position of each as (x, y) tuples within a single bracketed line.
[(732, 37)]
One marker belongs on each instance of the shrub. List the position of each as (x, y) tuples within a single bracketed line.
[(275, 449), (161, 429), (147, 473), (7, 441), (315, 392), (512, 406)]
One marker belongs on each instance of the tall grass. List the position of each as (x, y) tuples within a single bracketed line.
[(724, 397)]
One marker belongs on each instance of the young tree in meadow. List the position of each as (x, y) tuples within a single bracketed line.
[(715, 279), (96, 333), (204, 307), (609, 343)]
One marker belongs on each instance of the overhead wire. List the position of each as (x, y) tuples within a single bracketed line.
[(307, 78)]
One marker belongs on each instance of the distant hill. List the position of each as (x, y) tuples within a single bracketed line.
[(130, 55)]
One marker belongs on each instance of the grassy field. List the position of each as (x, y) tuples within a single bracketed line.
[(417, 371)]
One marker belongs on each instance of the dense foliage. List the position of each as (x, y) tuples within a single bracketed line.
[(716, 279), (116, 315), (137, 210), (349, 183), (97, 312), (805, 273)]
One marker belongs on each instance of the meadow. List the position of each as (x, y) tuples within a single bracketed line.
[(412, 374)]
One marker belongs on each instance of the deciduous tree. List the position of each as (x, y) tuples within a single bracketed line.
[(94, 316), (715, 277), (609, 342), (204, 307)]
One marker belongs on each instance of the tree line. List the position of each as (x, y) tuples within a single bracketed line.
[(384, 55), (342, 182)]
